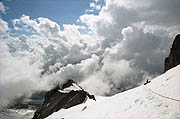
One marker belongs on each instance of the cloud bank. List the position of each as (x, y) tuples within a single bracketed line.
[(125, 44)]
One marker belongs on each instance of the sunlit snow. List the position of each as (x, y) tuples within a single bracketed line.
[(137, 103)]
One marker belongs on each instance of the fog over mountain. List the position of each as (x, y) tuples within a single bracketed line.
[(125, 43)]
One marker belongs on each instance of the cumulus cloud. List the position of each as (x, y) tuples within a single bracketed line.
[(148, 19), (43, 26), (116, 15), (139, 32), (126, 43), (43, 58)]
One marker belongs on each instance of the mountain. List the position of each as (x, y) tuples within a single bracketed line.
[(159, 99), (70, 94), (174, 57)]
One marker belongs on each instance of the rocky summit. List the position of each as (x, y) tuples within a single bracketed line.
[(70, 94), (174, 57)]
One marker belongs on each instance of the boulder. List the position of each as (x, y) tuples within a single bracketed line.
[(58, 98), (174, 57)]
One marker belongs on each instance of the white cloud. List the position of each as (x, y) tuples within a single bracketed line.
[(18, 76), (114, 76), (39, 57), (117, 16), (95, 6), (3, 26), (2, 8), (140, 32), (96, 1), (126, 32), (126, 12), (92, 4), (89, 10), (43, 26)]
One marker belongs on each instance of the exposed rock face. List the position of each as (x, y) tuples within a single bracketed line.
[(174, 57), (59, 98)]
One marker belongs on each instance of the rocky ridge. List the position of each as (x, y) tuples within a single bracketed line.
[(70, 94), (174, 57)]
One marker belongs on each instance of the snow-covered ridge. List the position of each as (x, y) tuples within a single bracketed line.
[(74, 87), (138, 103)]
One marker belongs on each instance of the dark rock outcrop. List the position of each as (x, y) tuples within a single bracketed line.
[(174, 57), (58, 98)]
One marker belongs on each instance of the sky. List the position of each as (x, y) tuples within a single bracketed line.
[(60, 11), (107, 46)]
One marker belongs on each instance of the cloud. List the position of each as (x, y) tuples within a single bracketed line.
[(125, 43), (89, 10), (139, 32), (116, 15), (3, 26), (146, 49), (2, 8), (43, 26), (113, 77), (43, 58), (95, 6), (19, 77)]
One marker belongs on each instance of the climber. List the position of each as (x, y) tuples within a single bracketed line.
[(147, 81)]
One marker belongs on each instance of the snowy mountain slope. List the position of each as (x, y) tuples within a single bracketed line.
[(137, 103)]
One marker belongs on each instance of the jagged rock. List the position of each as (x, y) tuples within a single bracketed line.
[(174, 57), (69, 95)]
